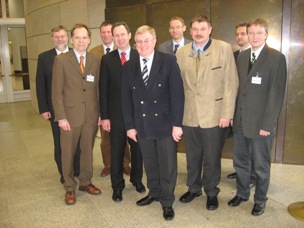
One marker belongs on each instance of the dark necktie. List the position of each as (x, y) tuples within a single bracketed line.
[(123, 58), (81, 64), (108, 50), (252, 61), (144, 73), (175, 48)]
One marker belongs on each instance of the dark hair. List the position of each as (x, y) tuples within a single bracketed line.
[(105, 23), (119, 24), (244, 24), (200, 18)]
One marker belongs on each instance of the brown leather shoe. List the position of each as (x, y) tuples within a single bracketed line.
[(105, 172), (127, 170), (91, 189), (70, 198)]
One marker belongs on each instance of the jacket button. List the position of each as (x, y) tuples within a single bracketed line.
[(134, 87), (84, 90), (155, 102), (141, 102), (156, 114), (159, 85), (144, 115)]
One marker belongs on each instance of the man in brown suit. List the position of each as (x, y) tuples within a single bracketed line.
[(100, 50), (75, 101)]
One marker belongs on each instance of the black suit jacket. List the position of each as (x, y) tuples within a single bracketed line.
[(153, 109), (258, 105), (44, 81), (110, 86), (235, 54)]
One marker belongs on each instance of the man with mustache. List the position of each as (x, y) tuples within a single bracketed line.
[(210, 83)]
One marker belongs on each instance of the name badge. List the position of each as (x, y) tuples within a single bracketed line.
[(256, 79), (90, 78)]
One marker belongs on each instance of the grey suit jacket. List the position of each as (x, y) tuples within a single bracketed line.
[(259, 104), (167, 46)]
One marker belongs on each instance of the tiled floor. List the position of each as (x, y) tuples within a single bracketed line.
[(31, 195)]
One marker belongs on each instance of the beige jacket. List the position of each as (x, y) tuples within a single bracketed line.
[(211, 94)]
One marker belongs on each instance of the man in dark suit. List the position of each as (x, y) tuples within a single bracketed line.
[(75, 100), (44, 91), (111, 111), (241, 39), (262, 73), (153, 103), (177, 28), (99, 51)]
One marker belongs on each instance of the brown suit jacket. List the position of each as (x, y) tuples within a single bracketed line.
[(74, 97), (98, 51)]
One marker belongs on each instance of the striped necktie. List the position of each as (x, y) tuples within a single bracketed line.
[(175, 48), (144, 73)]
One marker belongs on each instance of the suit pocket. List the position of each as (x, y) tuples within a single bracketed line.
[(215, 68), (219, 99)]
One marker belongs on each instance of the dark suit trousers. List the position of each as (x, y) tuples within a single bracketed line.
[(118, 137), (160, 160), (85, 136), (203, 151), (57, 149), (256, 152)]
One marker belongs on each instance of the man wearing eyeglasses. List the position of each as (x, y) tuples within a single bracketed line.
[(262, 73), (153, 103), (44, 92), (177, 28)]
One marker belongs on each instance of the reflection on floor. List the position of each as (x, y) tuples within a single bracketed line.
[(31, 195)]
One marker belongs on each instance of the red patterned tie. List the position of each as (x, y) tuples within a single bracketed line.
[(123, 58), (81, 64)]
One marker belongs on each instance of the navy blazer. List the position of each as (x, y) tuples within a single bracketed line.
[(153, 109), (258, 104)]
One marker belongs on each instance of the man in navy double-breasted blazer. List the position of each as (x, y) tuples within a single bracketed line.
[(153, 104)]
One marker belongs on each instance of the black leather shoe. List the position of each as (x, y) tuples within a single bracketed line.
[(139, 187), (168, 213), (117, 195), (236, 201), (189, 196), (61, 180), (212, 203), (146, 200), (232, 175), (258, 209)]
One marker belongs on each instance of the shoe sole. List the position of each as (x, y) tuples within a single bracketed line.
[(71, 203)]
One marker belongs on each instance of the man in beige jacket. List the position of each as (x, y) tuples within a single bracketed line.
[(210, 83)]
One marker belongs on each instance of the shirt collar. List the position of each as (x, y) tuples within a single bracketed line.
[(111, 47), (127, 52), (60, 52), (257, 52)]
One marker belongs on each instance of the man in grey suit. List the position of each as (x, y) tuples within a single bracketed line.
[(153, 103), (177, 28), (262, 74)]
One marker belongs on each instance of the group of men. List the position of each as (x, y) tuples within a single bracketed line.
[(150, 98)]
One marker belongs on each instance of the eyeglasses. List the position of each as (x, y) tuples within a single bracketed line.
[(59, 37), (143, 41)]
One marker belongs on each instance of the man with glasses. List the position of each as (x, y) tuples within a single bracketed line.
[(262, 73), (153, 103), (44, 92), (177, 28)]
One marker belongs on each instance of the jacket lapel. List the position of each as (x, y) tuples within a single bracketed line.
[(156, 65)]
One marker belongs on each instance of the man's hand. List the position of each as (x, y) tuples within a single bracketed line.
[(177, 133), (106, 125), (264, 133), (224, 123), (132, 134), (64, 124), (46, 115)]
